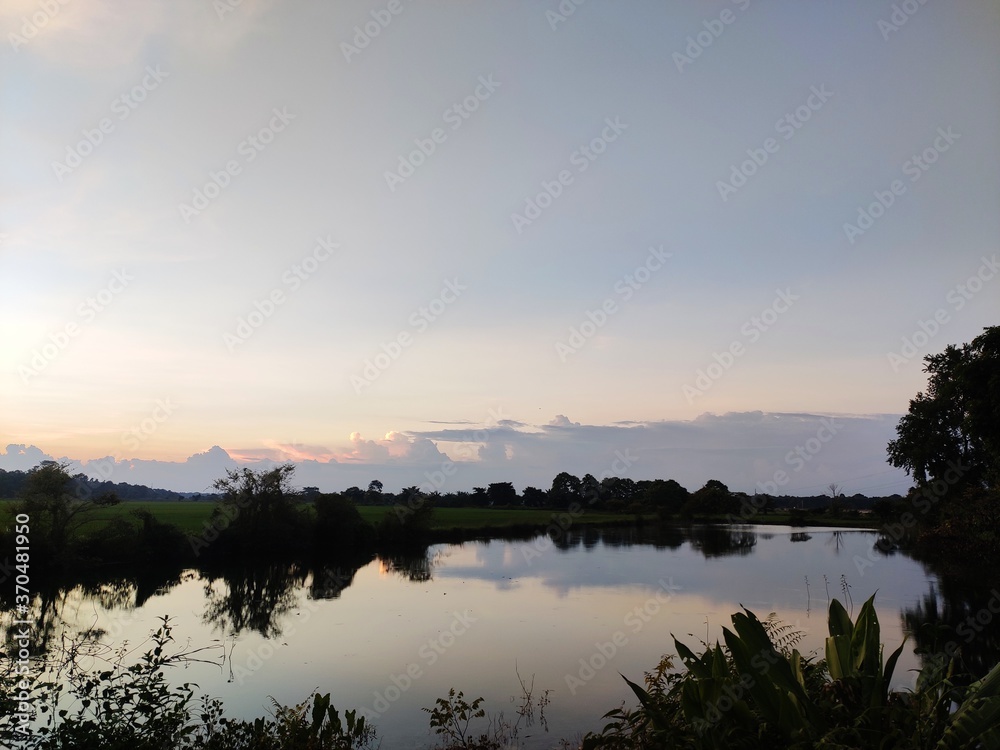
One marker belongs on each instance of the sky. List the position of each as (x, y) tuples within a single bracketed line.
[(449, 244)]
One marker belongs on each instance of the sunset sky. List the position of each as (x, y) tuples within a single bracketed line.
[(524, 236)]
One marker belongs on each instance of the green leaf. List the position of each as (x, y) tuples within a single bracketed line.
[(839, 620)]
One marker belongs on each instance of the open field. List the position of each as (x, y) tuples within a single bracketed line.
[(190, 517)]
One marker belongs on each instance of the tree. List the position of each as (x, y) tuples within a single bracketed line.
[(340, 528), (565, 490), (479, 498), (533, 497), (59, 506), (373, 496), (258, 512), (714, 498), (619, 492), (590, 490), (409, 522), (666, 497), (501, 493), (951, 433)]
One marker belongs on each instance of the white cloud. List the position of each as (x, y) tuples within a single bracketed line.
[(746, 450)]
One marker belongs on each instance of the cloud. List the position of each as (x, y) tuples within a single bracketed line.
[(797, 452), (22, 457)]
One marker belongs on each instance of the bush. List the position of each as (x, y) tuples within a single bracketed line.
[(759, 691), (340, 529)]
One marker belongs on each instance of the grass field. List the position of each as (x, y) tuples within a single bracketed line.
[(190, 517)]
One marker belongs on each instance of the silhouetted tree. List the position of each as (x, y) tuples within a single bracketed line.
[(534, 497), (666, 497), (712, 499), (501, 493), (51, 498), (258, 512), (952, 432), (565, 490), (340, 530)]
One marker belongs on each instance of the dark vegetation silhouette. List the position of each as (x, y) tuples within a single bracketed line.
[(754, 690), (266, 540), (949, 442)]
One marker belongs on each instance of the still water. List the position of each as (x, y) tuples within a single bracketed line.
[(392, 635)]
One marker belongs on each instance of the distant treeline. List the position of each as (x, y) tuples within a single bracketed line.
[(12, 484), (612, 493)]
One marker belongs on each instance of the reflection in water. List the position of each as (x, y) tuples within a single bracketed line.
[(836, 538), (544, 601), (722, 541), (412, 565), (328, 582), (62, 605), (963, 618), (252, 597)]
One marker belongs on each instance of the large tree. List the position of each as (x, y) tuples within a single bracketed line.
[(952, 432), (259, 512), (58, 506)]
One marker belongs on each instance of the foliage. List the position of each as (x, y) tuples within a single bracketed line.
[(115, 706), (339, 528), (452, 719), (259, 512), (58, 511), (759, 691), (956, 423), (299, 727), (712, 499), (409, 522), (501, 494), (119, 707)]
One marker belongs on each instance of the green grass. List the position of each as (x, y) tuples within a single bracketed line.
[(190, 517)]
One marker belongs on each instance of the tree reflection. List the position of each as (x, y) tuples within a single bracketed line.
[(254, 598), (962, 618), (412, 565), (722, 541), (328, 582), (58, 606)]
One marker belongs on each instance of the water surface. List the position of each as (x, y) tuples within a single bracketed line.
[(393, 635)]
